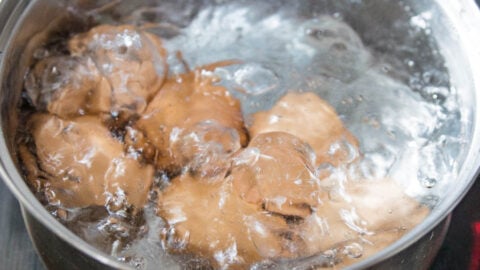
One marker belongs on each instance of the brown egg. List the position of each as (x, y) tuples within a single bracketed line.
[(131, 62), (85, 165), (311, 119), (249, 215), (210, 219), (371, 215), (276, 172), (272, 206), (65, 86), (191, 120), (111, 69)]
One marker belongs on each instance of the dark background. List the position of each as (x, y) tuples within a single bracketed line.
[(17, 252)]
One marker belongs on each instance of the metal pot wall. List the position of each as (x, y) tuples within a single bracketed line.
[(454, 26)]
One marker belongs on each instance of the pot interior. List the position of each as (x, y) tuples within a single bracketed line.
[(400, 78)]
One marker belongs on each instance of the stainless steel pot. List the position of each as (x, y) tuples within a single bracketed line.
[(454, 25)]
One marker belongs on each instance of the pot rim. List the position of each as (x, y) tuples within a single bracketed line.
[(464, 14)]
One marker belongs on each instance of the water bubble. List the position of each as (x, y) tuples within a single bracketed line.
[(324, 171), (161, 180), (337, 15), (430, 200), (386, 68), (377, 163), (176, 65), (41, 53), (435, 94), (255, 79), (427, 77), (428, 182), (343, 149), (331, 48), (348, 101), (330, 253), (353, 250), (319, 33)]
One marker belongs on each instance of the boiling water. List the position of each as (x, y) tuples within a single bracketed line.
[(394, 97)]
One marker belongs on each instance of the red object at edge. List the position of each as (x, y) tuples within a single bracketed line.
[(475, 256)]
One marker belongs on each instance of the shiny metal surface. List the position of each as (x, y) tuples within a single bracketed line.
[(454, 26), (55, 252)]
